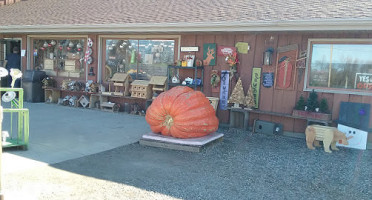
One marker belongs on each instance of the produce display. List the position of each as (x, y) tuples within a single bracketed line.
[(182, 112)]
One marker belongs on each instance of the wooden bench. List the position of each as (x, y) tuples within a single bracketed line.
[(246, 117)]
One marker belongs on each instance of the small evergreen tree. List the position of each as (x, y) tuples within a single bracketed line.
[(312, 101), (237, 95), (323, 107), (249, 99), (300, 105)]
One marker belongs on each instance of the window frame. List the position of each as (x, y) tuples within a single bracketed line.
[(312, 41), (30, 49), (102, 52)]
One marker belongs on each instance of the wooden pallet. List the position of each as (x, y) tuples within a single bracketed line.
[(192, 144)]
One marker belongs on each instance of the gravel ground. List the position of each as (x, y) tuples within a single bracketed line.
[(242, 166)]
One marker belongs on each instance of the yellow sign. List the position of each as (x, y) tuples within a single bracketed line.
[(242, 47)]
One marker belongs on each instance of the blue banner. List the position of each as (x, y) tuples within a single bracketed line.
[(224, 89)]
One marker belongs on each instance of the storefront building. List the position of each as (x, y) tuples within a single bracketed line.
[(327, 47)]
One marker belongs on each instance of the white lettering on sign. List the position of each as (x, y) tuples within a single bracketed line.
[(226, 51), (363, 81), (189, 49)]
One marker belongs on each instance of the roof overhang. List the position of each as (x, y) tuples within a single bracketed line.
[(322, 25)]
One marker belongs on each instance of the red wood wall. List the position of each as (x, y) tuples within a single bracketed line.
[(275, 100), (271, 99)]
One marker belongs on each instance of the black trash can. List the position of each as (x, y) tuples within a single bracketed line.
[(32, 86)]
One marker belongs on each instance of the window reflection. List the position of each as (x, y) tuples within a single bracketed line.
[(59, 57), (338, 65), (139, 58)]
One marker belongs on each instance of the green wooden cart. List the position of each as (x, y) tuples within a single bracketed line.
[(20, 136)]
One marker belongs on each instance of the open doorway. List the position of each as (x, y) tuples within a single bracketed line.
[(6, 48)]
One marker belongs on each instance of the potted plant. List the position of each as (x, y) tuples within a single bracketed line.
[(312, 108)]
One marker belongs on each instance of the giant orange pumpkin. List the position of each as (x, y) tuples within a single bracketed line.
[(182, 112)]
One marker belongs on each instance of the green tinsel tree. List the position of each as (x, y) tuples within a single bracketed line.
[(300, 105), (312, 101), (323, 107)]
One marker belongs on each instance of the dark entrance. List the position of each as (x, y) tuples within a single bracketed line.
[(6, 47)]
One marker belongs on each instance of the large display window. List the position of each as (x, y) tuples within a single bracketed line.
[(340, 66), (140, 58), (59, 56)]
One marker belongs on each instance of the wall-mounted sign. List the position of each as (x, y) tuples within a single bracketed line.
[(363, 81), (225, 50), (209, 54), (256, 79), (268, 79), (242, 47), (189, 49), (224, 90)]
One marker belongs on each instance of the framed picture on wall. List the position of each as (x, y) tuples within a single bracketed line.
[(286, 67), (209, 54)]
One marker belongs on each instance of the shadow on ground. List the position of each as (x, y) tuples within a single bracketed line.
[(242, 166)]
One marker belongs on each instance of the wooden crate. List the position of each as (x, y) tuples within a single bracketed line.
[(70, 65), (49, 64), (141, 89), (158, 84), (109, 106), (52, 95), (121, 82), (84, 100)]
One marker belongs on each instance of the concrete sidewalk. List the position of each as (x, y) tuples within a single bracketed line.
[(59, 133)]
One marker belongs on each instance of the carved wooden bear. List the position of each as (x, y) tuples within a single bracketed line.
[(329, 136)]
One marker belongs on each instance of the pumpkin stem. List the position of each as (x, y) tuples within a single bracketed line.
[(168, 122)]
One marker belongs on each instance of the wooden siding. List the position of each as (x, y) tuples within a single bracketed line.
[(275, 100), (8, 2)]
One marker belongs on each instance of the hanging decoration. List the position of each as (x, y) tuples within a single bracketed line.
[(70, 44), (242, 47), (268, 56), (285, 66), (209, 54), (215, 78), (78, 46), (268, 79), (224, 90), (88, 58), (225, 50), (90, 42), (45, 45), (232, 60), (133, 57), (53, 42), (301, 64)]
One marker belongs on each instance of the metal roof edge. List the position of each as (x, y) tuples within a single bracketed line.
[(313, 25)]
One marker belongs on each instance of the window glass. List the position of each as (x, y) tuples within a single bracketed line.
[(59, 57), (139, 58), (341, 66)]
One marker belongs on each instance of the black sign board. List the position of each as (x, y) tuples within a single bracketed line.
[(268, 79)]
